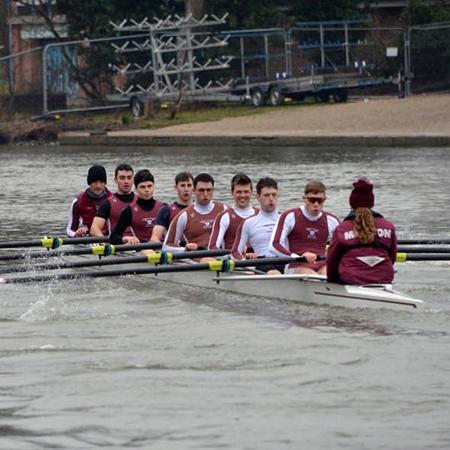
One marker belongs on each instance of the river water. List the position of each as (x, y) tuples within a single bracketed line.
[(121, 363)]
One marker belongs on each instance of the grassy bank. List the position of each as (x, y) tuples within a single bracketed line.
[(19, 126)]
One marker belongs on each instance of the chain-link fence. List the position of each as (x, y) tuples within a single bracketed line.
[(21, 81), (430, 57), (62, 76)]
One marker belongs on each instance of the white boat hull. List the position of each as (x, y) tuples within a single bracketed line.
[(300, 288), (303, 288)]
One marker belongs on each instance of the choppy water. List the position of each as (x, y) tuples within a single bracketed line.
[(129, 364)]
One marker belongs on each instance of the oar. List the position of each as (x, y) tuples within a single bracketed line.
[(154, 258), (403, 257), (423, 249), (53, 242), (424, 241), (216, 266), (100, 250)]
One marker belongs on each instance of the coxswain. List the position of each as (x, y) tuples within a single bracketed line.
[(305, 231), (255, 232), (110, 209), (140, 217), (228, 221), (86, 204), (364, 245), (184, 187), (194, 224)]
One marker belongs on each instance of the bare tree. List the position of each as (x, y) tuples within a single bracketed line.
[(195, 7), (47, 10)]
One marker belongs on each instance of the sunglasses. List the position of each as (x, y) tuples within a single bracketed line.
[(318, 200)]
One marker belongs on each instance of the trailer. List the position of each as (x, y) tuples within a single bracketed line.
[(322, 87)]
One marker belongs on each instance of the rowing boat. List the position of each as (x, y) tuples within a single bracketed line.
[(303, 288)]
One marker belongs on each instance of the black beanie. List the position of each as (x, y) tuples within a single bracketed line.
[(143, 175), (96, 173)]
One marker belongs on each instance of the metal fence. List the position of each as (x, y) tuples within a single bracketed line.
[(81, 75), (430, 57)]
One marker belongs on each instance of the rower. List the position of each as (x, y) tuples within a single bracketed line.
[(110, 209), (305, 231), (256, 231), (194, 224), (364, 245), (140, 217), (86, 204), (228, 221), (184, 187)]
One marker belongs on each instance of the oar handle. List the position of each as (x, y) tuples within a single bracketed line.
[(423, 241), (404, 257)]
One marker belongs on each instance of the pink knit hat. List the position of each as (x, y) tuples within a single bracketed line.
[(362, 194)]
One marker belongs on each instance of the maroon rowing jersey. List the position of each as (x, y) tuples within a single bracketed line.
[(117, 206), (143, 221), (193, 226), (225, 227), (296, 234), (351, 262), (174, 209), (83, 211)]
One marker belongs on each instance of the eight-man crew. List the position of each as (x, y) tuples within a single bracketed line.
[(256, 231), (364, 245), (305, 231), (228, 221), (194, 224), (84, 207), (141, 215), (184, 187), (110, 209)]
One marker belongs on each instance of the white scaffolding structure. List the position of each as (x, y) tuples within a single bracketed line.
[(172, 64)]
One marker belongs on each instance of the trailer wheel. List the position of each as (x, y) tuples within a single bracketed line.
[(257, 98), (322, 97), (340, 97), (137, 107), (276, 96)]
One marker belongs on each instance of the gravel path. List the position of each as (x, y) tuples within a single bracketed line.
[(424, 115)]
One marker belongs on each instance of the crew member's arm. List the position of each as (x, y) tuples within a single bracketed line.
[(333, 222), (161, 225), (125, 220), (100, 219), (73, 226), (241, 241), (220, 227), (279, 241), (175, 233)]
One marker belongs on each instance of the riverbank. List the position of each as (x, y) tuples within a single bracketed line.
[(416, 121), (379, 121)]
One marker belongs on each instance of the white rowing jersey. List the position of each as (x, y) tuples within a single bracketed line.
[(255, 232)]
